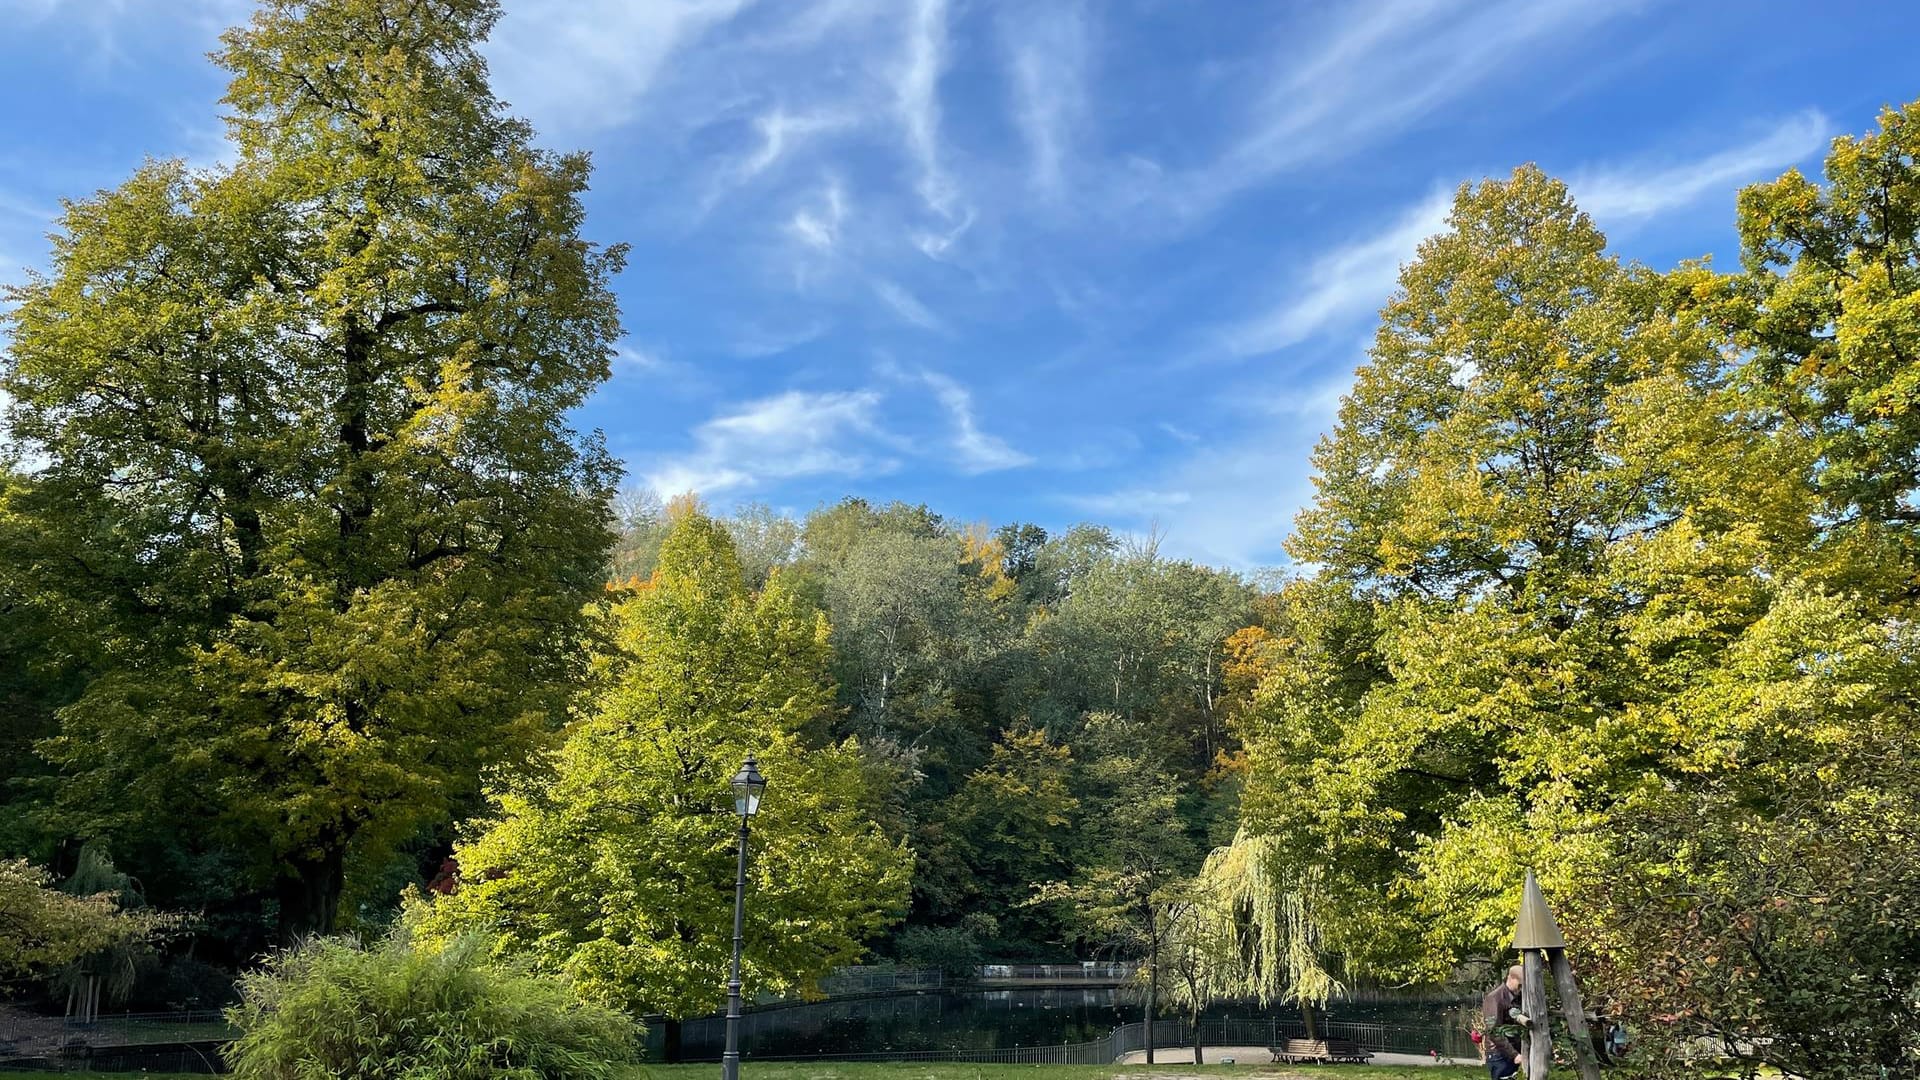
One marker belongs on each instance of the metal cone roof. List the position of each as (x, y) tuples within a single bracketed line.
[(1537, 928)]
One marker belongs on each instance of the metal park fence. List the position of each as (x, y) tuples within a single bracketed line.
[(26, 1033), (1087, 971), (1447, 1040), (850, 981), (162, 1058), (190, 1042), (1119, 1042)]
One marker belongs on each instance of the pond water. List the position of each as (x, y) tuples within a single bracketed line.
[(971, 1020)]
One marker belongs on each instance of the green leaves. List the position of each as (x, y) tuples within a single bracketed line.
[(400, 1007), (43, 928), (616, 864), (1830, 307), (1615, 582), (310, 501)]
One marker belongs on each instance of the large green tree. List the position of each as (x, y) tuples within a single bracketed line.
[(616, 866), (1615, 581), (303, 481), (1529, 450)]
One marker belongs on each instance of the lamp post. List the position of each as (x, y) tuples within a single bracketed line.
[(747, 786)]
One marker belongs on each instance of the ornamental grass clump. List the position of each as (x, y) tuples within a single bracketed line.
[(396, 1009)]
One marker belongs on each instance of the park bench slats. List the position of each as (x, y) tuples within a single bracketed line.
[(1322, 1051)]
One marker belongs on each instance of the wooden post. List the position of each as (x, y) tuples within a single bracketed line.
[(1533, 1002), (1537, 936), (1585, 1060)]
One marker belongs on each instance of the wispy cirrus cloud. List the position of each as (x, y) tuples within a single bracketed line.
[(1136, 506), (1047, 57), (1379, 69), (757, 340), (793, 434), (818, 225), (630, 357), (1356, 279), (1637, 192), (781, 132), (106, 32), (584, 65), (975, 451), (907, 306), (917, 100), (1341, 284)]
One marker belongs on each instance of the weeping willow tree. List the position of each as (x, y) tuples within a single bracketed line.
[(113, 963), (1244, 928)]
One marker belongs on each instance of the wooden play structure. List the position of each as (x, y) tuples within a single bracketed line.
[(1542, 949)]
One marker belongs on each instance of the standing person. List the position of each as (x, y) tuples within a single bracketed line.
[(1506, 1026)]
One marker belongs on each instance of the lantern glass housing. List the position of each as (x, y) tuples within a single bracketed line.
[(747, 787)]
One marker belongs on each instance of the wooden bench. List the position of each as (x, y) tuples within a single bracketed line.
[(1319, 1051)]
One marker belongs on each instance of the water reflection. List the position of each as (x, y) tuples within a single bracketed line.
[(969, 1020)]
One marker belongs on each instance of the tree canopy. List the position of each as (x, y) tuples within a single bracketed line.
[(1615, 576), (308, 506), (615, 864)]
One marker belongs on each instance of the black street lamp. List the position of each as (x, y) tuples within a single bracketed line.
[(747, 786)]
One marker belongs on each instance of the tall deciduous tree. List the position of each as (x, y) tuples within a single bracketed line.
[(1505, 478), (307, 479), (1135, 852), (1829, 306), (618, 867), (1005, 831), (1615, 581)]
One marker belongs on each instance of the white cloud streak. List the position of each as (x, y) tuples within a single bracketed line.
[(754, 342), (1343, 283), (907, 306), (584, 65), (975, 451), (1358, 278), (781, 133), (1621, 195), (1130, 504), (818, 227), (793, 434), (1047, 61), (1386, 66), (637, 359), (935, 244), (917, 101)]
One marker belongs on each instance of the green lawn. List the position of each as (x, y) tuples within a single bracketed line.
[(913, 1071)]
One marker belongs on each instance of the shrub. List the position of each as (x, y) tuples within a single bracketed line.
[(398, 1010)]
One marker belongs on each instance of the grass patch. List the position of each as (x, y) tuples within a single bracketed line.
[(863, 1070)]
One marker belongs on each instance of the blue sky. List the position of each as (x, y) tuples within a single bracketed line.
[(1037, 260)]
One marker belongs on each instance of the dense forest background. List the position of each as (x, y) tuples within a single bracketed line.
[(1010, 686)]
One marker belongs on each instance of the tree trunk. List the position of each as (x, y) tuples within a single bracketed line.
[(1153, 979), (1199, 1057), (670, 1040), (1585, 1055), (1533, 1002), (1307, 1018), (309, 893)]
